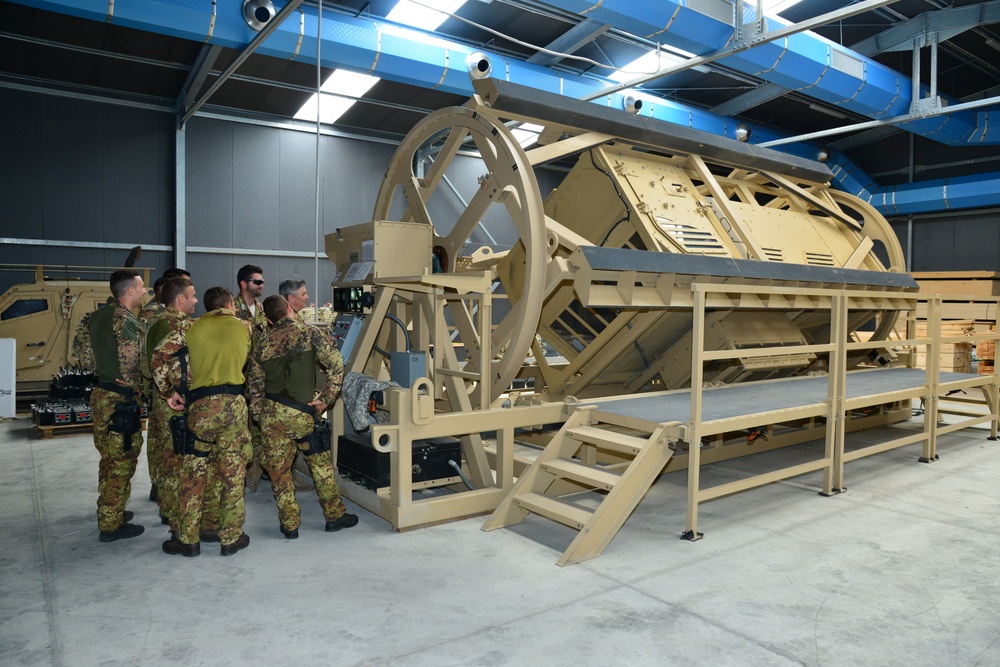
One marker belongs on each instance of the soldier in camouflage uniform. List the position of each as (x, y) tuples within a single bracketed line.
[(114, 404), (294, 291), (250, 279), (155, 306), (214, 350), (281, 387), (179, 296), (152, 311), (81, 349)]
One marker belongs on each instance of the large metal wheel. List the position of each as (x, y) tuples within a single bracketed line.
[(416, 171), (875, 227)]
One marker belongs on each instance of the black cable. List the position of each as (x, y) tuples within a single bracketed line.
[(614, 183)]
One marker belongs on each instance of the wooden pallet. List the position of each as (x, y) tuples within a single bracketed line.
[(48, 432)]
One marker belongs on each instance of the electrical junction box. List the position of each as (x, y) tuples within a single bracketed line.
[(406, 367)]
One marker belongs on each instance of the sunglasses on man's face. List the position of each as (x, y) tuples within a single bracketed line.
[(257, 282)]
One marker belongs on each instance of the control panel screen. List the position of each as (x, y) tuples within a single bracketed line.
[(348, 299)]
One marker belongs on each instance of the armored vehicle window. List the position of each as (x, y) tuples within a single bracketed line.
[(23, 307)]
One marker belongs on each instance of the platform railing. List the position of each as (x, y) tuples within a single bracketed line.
[(838, 405)]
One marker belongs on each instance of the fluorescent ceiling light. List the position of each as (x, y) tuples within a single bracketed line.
[(423, 14), (342, 88), (649, 64), (332, 105)]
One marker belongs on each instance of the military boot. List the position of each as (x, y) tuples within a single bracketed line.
[(241, 543), (175, 547), (125, 531)]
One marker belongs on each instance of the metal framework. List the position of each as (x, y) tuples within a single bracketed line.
[(654, 276)]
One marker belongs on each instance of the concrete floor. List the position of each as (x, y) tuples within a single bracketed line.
[(902, 569)]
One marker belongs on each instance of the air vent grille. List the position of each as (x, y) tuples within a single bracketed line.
[(694, 240)]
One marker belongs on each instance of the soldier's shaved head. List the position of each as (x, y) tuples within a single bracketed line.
[(217, 297), (275, 308)]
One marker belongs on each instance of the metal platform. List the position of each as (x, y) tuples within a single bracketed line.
[(762, 402)]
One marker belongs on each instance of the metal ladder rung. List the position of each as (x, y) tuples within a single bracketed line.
[(617, 442), (585, 474), (565, 513)]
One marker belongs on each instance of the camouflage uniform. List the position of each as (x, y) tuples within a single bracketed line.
[(151, 312), (218, 346), (258, 324), (257, 319), (163, 463), (114, 350), (284, 365), (81, 349)]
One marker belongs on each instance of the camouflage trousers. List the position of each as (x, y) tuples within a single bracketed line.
[(281, 427), (221, 421), (157, 439), (114, 476), (168, 485), (257, 440)]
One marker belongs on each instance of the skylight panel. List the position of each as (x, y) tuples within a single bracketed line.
[(349, 85), (645, 64), (423, 14)]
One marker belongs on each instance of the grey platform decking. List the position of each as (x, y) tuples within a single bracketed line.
[(761, 398)]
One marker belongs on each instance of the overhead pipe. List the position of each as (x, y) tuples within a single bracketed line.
[(804, 62), (396, 53)]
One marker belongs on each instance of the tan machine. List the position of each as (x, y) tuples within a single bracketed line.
[(662, 247)]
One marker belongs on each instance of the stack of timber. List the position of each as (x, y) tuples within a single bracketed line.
[(968, 283), (985, 353), (955, 357), (960, 316)]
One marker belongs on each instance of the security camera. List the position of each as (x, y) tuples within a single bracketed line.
[(257, 13), (479, 65), (632, 104)]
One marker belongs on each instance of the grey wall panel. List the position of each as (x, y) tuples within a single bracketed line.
[(933, 246), (352, 174), (21, 164), (79, 170), (138, 169), (209, 153), (295, 191), (255, 186), (211, 271), (900, 229), (72, 170), (977, 245)]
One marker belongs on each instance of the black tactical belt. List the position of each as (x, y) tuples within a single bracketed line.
[(291, 403), (117, 388), (222, 389)]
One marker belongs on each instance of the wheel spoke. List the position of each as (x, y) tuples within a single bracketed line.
[(416, 206)]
